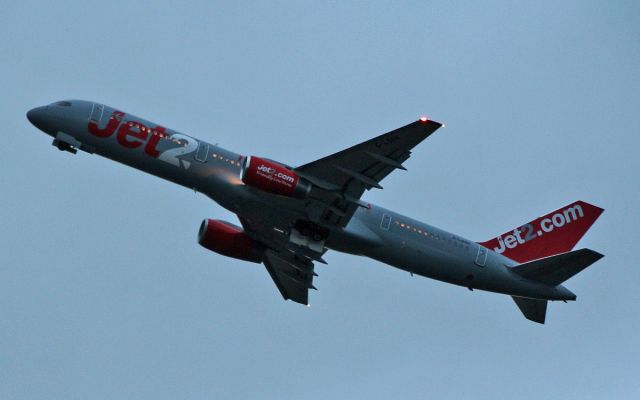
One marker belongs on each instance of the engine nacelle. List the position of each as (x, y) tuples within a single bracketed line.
[(229, 240), (274, 178)]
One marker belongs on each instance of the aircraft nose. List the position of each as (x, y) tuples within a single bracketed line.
[(37, 116), (43, 119)]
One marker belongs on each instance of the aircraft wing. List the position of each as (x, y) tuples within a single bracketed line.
[(289, 265), (343, 177), (338, 182), (292, 275)]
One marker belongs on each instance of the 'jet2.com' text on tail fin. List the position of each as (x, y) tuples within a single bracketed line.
[(554, 233)]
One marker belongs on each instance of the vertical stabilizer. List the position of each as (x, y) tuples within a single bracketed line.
[(554, 233)]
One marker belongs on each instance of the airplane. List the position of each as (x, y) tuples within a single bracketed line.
[(291, 216)]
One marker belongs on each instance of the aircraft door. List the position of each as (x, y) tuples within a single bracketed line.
[(96, 113), (386, 221), (203, 151), (481, 257)]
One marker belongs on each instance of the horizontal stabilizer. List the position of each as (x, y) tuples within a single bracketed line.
[(533, 309), (556, 269)]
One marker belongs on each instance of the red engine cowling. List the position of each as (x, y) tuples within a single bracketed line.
[(229, 240), (274, 178)]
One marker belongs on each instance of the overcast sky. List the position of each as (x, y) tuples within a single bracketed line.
[(105, 294)]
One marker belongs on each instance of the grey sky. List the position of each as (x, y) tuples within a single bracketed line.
[(105, 293)]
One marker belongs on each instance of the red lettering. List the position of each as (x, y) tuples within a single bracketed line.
[(108, 130), (150, 148), (132, 129), (130, 134)]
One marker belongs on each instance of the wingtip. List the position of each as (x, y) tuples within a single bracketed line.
[(426, 120)]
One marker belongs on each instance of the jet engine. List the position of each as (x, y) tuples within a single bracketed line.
[(274, 178), (229, 240)]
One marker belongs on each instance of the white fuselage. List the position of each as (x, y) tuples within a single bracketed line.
[(373, 232)]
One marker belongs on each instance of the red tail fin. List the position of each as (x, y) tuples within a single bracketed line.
[(554, 233)]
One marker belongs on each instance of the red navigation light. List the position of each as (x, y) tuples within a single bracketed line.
[(424, 119)]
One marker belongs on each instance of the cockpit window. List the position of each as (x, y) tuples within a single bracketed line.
[(64, 103)]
